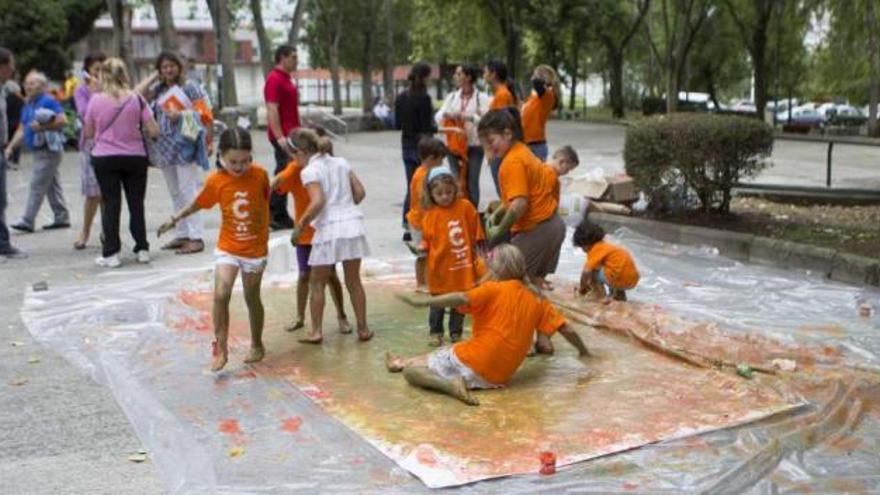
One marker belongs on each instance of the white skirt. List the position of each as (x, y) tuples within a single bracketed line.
[(338, 250)]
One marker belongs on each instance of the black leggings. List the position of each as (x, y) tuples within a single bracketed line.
[(116, 173)]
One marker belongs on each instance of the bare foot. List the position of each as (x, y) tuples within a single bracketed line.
[(393, 364), (344, 326), (435, 340), (460, 391), (365, 335), (312, 338), (299, 323), (219, 361), (256, 355), (422, 289)]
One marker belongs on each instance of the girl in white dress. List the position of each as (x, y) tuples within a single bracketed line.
[(340, 236)]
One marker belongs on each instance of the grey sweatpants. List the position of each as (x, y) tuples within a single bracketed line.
[(46, 183)]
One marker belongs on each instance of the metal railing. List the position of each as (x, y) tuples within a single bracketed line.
[(312, 110)]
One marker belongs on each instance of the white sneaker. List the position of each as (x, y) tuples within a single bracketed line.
[(108, 262), (143, 257)]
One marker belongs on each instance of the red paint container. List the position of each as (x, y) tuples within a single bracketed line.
[(548, 463)]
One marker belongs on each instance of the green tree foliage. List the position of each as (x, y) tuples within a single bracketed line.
[(842, 65), (454, 31), (717, 66)]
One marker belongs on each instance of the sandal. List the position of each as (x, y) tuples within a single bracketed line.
[(191, 247), (175, 244)]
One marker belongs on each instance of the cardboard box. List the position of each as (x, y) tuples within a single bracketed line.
[(621, 189)]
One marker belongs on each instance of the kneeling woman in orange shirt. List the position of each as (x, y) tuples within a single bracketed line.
[(506, 311), (241, 188)]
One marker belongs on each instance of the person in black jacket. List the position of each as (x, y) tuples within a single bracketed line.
[(414, 116)]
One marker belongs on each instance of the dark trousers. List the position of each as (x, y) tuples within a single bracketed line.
[(410, 164), (495, 167), (4, 231), (474, 167), (117, 173), (278, 202), (435, 321)]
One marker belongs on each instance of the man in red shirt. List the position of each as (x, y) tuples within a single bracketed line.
[(282, 114)]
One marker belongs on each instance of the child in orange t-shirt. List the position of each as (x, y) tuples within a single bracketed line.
[(608, 266), (290, 181), (431, 153), (241, 188), (451, 231), (506, 312)]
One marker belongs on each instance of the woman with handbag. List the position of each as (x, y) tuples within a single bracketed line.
[(117, 120), (183, 112), (462, 109)]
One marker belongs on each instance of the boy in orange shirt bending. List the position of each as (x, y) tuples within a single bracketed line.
[(290, 181), (241, 188), (608, 266), (432, 151), (506, 313), (451, 231)]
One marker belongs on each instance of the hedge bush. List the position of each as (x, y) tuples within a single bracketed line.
[(692, 160)]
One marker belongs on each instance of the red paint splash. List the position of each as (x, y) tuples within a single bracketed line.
[(246, 374), (291, 425), (317, 394), (229, 426)]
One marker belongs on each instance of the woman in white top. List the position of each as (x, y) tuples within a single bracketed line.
[(467, 106), (340, 236)]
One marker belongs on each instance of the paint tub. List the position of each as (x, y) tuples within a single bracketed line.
[(548, 463)]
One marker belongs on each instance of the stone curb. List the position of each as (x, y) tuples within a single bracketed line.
[(833, 264)]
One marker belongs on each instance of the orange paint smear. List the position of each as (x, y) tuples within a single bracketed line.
[(291, 425), (230, 427)]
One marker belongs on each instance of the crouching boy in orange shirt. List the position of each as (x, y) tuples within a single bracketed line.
[(505, 313), (608, 266)]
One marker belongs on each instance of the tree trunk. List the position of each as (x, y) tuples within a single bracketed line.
[(572, 94), (120, 13), (333, 53), (296, 23), (759, 57), (672, 71), (165, 20), (220, 16), (388, 59), (615, 69), (873, 31), (266, 60), (368, 26)]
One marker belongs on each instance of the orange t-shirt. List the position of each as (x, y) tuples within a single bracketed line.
[(535, 112), (551, 180), (290, 181), (416, 187), (522, 175), (244, 205), (620, 269), (505, 317), (450, 236), (502, 98)]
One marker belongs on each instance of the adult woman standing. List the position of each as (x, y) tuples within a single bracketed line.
[(504, 97), (114, 119), (89, 183), (543, 99), (413, 115), (464, 107), (175, 99)]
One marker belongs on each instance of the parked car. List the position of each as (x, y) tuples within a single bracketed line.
[(804, 115), (744, 106)]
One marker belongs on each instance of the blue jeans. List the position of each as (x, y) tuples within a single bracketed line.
[(410, 164), (474, 167), (4, 231), (540, 150), (435, 321)]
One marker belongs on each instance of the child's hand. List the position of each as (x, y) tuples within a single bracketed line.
[(416, 299), (294, 236), (494, 232), (165, 227)]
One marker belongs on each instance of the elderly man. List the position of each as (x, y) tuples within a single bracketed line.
[(41, 121)]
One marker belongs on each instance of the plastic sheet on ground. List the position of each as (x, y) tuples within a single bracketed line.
[(661, 393)]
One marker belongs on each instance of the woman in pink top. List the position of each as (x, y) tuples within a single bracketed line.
[(118, 119), (90, 188)]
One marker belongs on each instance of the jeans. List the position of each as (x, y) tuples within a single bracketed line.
[(46, 183), (278, 202), (4, 231), (435, 321), (410, 164), (540, 150), (474, 167), (116, 173)]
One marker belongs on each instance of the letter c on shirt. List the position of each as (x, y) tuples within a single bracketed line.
[(239, 204), (456, 233)]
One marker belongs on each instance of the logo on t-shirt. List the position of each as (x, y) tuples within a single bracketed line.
[(239, 211), (459, 244)]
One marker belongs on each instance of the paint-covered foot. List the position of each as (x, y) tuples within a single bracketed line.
[(219, 362), (256, 355), (312, 338), (345, 326), (393, 364), (461, 392), (296, 325), (435, 340), (365, 335)]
